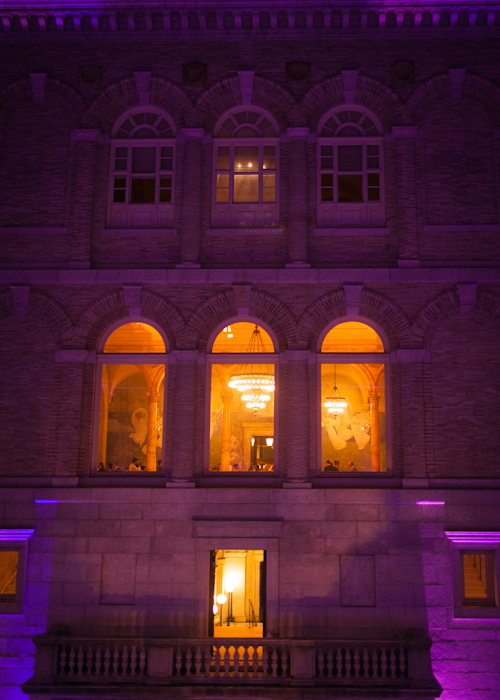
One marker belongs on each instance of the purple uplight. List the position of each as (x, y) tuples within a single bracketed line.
[(429, 503), (46, 500)]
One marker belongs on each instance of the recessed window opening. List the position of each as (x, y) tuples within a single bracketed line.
[(8, 577), (242, 402), (237, 587), (353, 402), (131, 405), (479, 588)]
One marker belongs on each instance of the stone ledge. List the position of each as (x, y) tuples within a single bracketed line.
[(351, 231), (34, 230), (245, 231), (139, 232), (462, 228)]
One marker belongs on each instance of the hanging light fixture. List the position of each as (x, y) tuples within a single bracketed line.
[(335, 403), (255, 381)]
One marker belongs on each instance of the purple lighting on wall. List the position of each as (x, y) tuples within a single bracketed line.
[(429, 503)]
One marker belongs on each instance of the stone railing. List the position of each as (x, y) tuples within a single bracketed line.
[(89, 663)]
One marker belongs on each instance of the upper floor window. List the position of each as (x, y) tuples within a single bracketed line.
[(142, 171), (246, 154), (350, 187), (353, 406), (242, 400), (130, 400)]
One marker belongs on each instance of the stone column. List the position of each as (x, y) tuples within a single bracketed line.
[(183, 427), (407, 197), (298, 231), (152, 436), (84, 196), (374, 398), (191, 198), (414, 412), (227, 398), (296, 450)]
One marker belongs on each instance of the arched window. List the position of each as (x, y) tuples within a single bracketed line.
[(246, 156), (130, 400), (242, 367), (142, 170), (350, 178), (353, 404)]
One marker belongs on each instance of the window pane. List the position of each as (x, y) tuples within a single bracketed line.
[(269, 162), (119, 196), (327, 194), (327, 151), (165, 189), (372, 159), (120, 164), (326, 163), (326, 179), (131, 418), (143, 191), (135, 337), (223, 163), (144, 160), (350, 188), (241, 437), (166, 164), (119, 189), (475, 576), (353, 434), (350, 158), (246, 158), (8, 577), (246, 188), (167, 151)]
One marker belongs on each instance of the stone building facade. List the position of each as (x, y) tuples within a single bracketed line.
[(186, 170)]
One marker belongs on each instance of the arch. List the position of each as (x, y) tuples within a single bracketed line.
[(122, 96), (475, 88), (223, 96), (106, 311), (388, 316), (105, 337), (336, 120), (317, 317), (432, 314), (239, 319), (129, 124), (215, 312), (243, 111), (56, 94), (371, 94), (357, 319), (53, 314)]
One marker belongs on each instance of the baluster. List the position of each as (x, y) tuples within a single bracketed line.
[(274, 663), (338, 662), (284, 663), (208, 661), (217, 663), (383, 663), (329, 663), (62, 659), (265, 662), (98, 657), (402, 662), (366, 662), (236, 663), (349, 662), (107, 661), (71, 661), (189, 661), (116, 659), (393, 663), (255, 663), (374, 655), (90, 660), (321, 663), (142, 660), (197, 662), (246, 663), (226, 663), (79, 660), (178, 661), (356, 663), (133, 660)]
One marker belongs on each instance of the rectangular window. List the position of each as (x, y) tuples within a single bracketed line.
[(9, 562), (478, 570), (144, 159), (142, 190), (353, 429), (241, 423), (13, 551)]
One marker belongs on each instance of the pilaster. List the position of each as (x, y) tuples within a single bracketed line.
[(297, 414), (406, 192), (191, 198), (297, 202), (183, 428)]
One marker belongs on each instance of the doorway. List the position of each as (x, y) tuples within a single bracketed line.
[(237, 593)]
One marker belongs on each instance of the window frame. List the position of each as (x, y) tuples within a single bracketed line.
[(353, 358), (16, 541), (141, 215), (466, 542), (124, 358), (368, 209)]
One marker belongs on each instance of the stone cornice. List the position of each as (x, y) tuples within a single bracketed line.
[(35, 16)]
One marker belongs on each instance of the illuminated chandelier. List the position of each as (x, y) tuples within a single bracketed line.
[(256, 382), (335, 403)]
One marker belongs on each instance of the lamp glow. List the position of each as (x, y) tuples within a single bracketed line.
[(221, 598), (229, 585), (269, 442), (215, 609)]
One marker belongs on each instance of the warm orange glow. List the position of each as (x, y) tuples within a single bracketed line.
[(239, 338), (135, 337), (352, 336)]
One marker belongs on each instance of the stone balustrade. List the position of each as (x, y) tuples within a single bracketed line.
[(63, 661), (231, 20)]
